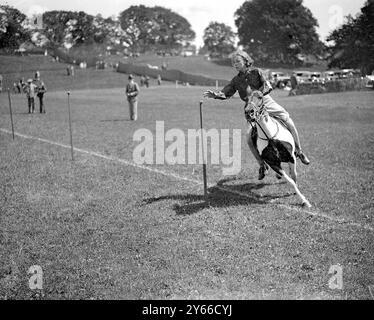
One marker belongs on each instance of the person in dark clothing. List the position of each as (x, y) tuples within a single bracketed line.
[(293, 80), (132, 91), (146, 81), (42, 89)]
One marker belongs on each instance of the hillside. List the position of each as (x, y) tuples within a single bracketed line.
[(55, 76), (215, 69), (195, 65), (20, 64)]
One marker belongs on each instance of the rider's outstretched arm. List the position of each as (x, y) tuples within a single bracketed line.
[(227, 92)]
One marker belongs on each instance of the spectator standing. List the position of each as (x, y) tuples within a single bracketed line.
[(132, 92), (293, 80), (41, 90), (275, 81), (19, 86), (142, 80), (146, 81), (30, 90), (159, 80), (23, 84)]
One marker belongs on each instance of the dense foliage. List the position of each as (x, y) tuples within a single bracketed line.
[(277, 31), (150, 28), (219, 39), (353, 42), (13, 31)]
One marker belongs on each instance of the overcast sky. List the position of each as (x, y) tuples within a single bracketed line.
[(199, 13)]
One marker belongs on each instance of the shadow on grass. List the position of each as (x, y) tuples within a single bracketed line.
[(115, 120), (24, 113), (219, 196)]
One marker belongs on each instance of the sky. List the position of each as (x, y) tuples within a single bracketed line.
[(329, 13)]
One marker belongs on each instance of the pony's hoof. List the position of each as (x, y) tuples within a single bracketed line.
[(306, 204)]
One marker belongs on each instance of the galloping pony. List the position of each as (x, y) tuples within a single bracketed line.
[(273, 141)]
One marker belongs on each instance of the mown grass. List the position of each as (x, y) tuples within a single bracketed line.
[(101, 230)]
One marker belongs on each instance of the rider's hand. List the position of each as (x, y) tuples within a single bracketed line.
[(209, 94)]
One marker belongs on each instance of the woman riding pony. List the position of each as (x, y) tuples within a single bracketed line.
[(253, 79)]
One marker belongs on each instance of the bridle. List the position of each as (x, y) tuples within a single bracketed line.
[(255, 113)]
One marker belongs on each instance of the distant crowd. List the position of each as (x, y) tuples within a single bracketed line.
[(33, 88)]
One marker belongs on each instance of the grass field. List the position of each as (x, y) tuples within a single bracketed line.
[(54, 74), (216, 69), (102, 228)]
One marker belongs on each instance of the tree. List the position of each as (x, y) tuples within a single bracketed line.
[(353, 42), (219, 39), (12, 27), (172, 30), (83, 30), (147, 28), (277, 31), (68, 28)]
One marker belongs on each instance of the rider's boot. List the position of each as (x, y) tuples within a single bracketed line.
[(304, 159), (299, 154)]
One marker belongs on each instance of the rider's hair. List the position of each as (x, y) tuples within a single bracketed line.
[(245, 56)]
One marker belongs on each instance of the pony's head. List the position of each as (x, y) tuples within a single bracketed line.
[(254, 109)]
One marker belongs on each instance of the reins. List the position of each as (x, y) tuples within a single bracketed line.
[(267, 137)]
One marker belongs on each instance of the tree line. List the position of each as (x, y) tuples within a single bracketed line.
[(271, 30), (138, 28)]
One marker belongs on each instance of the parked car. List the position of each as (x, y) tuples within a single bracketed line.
[(370, 81), (347, 73), (315, 76), (303, 76), (279, 79), (330, 75), (340, 74)]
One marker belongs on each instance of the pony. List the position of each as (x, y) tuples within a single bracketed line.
[(273, 141)]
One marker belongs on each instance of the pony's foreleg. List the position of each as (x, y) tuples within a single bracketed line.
[(305, 202)]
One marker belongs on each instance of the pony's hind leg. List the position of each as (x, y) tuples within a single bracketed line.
[(305, 202), (293, 172)]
